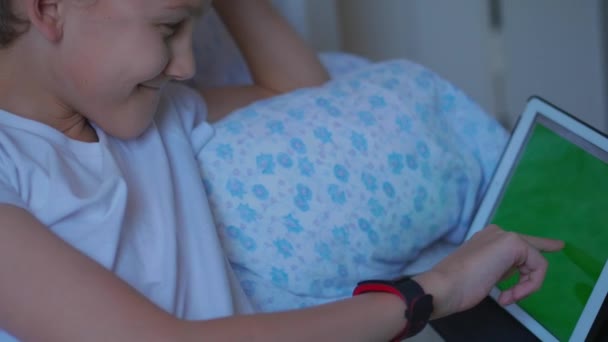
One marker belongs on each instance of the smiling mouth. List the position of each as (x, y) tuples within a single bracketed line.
[(149, 86), (156, 84)]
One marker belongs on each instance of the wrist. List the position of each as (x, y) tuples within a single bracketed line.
[(437, 285), (418, 304)]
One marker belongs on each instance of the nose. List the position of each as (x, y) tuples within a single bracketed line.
[(181, 66)]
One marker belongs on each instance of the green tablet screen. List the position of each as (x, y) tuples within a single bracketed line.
[(559, 189)]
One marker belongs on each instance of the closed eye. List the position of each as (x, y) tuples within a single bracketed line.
[(171, 29)]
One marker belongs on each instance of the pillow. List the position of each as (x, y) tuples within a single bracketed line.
[(317, 189)]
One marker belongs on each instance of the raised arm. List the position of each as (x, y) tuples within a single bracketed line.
[(51, 292), (278, 58)]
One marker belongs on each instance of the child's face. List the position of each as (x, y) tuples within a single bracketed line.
[(115, 56)]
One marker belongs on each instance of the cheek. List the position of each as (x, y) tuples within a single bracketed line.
[(111, 77), (134, 62), (152, 59), (124, 57)]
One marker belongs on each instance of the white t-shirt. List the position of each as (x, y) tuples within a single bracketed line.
[(137, 207)]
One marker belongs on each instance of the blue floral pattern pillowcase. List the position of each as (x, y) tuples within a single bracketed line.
[(317, 189)]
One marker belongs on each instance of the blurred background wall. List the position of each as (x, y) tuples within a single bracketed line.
[(498, 51)]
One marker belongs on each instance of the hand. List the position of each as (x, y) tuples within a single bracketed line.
[(464, 278)]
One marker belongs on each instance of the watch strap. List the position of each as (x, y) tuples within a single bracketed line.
[(419, 304)]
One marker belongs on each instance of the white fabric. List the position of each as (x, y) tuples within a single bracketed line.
[(136, 207)]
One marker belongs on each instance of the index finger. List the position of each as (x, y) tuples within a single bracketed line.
[(543, 244), (532, 269)]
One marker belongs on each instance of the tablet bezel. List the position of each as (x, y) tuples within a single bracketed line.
[(538, 107)]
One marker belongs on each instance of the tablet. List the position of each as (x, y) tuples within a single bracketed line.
[(552, 181)]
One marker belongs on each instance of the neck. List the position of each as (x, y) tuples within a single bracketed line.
[(24, 92)]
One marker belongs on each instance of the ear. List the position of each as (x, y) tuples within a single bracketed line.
[(44, 15)]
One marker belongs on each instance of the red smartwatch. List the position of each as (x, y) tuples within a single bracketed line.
[(419, 304)]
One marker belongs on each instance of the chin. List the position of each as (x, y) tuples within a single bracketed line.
[(130, 120), (128, 128), (137, 120), (128, 133)]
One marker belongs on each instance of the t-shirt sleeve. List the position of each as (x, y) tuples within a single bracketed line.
[(8, 186), (188, 106)]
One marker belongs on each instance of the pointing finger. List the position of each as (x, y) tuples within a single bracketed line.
[(543, 244)]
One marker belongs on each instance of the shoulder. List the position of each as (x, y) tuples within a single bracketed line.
[(183, 109), (13, 162), (179, 99)]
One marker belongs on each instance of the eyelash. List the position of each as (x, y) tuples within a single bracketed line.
[(169, 30)]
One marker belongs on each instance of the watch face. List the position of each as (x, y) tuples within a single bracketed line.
[(418, 313), (421, 308)]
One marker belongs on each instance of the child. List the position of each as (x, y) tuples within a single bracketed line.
[(102, 236)]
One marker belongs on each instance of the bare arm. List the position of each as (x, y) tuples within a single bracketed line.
[(51, 292), (279, 60)]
